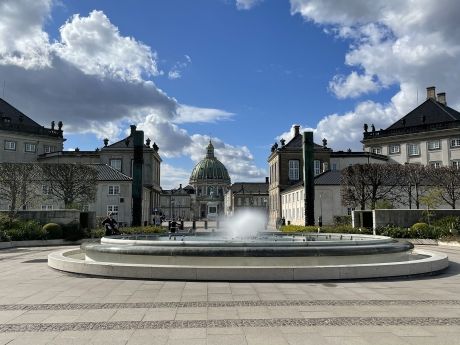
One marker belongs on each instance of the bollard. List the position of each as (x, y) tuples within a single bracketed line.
[(194, 225), (205, 224)]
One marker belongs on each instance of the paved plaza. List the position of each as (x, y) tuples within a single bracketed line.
[(39, 305)]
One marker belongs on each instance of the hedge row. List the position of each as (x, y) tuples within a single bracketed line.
[(443, 228), (13, 229)]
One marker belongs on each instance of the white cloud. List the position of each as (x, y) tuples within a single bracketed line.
[(246, 4), (22, 40), (172, 177), (346, 130), (174, 74), (237, 159), (353, 85), (95, 46), (187, 113), (413, 44), (176, 70)]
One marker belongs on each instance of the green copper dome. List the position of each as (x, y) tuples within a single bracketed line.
[(209, 168)]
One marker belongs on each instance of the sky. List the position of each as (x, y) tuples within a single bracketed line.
[(238, 72)]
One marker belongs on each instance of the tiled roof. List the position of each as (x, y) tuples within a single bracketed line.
[(7, 110), (429, 112), (330, 177), (296, 142), (249, 188), (338, 154), (327, 178), (14, 120), (107, 173)]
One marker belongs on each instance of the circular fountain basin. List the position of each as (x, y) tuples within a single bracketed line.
[(268, 256)]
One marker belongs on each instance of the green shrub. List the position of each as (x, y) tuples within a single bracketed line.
[(393, 231), (338, 229), (342, 220), (298, 228), (73, 232), (4, 237), (53, 231), (143, 230), (7, 222), (449, 223), (26, 231), (96, 233)]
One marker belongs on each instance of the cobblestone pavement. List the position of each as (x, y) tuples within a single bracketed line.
[(39, 305)]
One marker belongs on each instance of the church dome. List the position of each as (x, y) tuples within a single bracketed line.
[(210, 168)]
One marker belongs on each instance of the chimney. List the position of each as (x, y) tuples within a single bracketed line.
[(442, 98), (133, 129), (296, 130), (180, 186), (431, 92), (267, 181)]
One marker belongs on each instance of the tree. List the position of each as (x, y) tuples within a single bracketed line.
[(431, 200), (369, 183), (413, 181), (72, 183), (354, 189), (19, 184), (447, 179)]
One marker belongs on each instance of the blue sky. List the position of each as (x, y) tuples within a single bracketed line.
[(241, 72)]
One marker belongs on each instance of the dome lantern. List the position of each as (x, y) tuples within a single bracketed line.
[(210, 150)]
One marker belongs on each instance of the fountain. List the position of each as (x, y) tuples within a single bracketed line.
[(242, 250)]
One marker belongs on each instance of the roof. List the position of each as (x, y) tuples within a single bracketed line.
[(431, 115), (107, 173), (209, 168), (14, 120), (296, 142), (429, 112), (327, 178), (345, 154), (249, 187)]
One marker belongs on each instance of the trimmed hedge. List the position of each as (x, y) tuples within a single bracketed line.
[(53, 231), (340, 229)]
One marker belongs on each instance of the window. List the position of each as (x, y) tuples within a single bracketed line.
[(116, 164), (112, 209), (317, 167), (434, 145), (49, 148), (334, 166), (395, 148), (30, 147), (435, 164), (239, 201), (85, 208), (455, 142), (297, 196), (293, 170), (377, 150), (114, 190), (413, 149), (350, 210), (456, 164), (10, 145), (47, 207), (46, 189)]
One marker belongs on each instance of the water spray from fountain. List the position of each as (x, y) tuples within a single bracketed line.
[(246, 223)]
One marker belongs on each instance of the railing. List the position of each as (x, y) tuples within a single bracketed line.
[(19, 127), (411, 129)]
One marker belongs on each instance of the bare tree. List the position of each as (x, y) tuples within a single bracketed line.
[(447, 180), (354, 189), (71, 183), (413, 182), (369, 183), (19, 184)]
